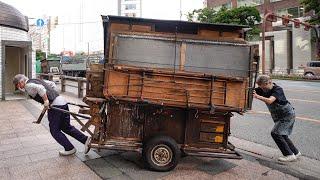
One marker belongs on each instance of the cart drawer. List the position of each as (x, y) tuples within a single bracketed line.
[(212, 127), (211, 137)]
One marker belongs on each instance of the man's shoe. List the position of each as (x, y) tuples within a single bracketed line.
[(298, 155), (86, 145), (288, 158), (67, 153)]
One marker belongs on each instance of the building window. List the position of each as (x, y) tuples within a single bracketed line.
[(294, 12), (130, 14), (130, 6), (226, 5), (248, 2)]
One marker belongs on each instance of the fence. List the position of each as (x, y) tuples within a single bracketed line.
[(64, 82)]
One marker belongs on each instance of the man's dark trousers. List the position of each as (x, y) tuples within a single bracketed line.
[(59, 121)]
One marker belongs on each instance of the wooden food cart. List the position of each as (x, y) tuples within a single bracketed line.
[(169, 88)]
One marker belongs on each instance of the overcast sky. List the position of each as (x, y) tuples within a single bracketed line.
[(71, 35)]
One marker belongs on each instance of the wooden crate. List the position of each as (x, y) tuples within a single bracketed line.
[(95, 81), (179, 89)]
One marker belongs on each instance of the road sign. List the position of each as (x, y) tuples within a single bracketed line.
[(40, 22)]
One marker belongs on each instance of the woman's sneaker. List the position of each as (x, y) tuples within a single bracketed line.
[(299, 154), (288, 158), (67, 153)]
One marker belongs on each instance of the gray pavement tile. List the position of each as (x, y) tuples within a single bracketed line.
[(85, 176), (27, 176), (37, 142), (131, 165), (85, 157), (14, 161), (10, 141), (5, 174), (8, 147), (188, 175), (103, 168), (43, 155), (23, 151), (68, 160), (62, 171), (105, 152), (28, 138), (8, 136), (216, 166), (32, 167), (121, 177)]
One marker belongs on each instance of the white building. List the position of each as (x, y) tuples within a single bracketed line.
[(16, 55), (130, 8)]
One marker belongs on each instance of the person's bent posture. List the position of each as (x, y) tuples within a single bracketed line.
[(45, 92), (282, 113)]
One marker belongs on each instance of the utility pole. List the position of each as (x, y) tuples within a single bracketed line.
[(263, 58), (180, 10), (49, 30)]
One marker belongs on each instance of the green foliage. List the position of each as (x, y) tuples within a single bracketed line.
[(314, 5), (245, 15), (40, 55)]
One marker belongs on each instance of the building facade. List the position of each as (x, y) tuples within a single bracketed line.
[(130, 8), (16, 55), (287, 48)]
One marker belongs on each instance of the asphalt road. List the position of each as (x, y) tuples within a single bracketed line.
[(305, 97)]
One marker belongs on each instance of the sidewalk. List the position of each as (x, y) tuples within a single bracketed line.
[(27, 150)]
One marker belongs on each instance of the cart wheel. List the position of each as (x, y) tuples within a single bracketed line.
[(161, 153)]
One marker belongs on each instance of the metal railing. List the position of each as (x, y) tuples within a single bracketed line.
[(64, 82)]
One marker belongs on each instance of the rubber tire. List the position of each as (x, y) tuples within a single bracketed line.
[(157, 140), (309, 74)]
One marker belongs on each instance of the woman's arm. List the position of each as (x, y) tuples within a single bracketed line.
[(269, 100)]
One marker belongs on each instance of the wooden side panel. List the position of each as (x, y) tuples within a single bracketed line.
[(183, 49), (218, 93), (236, 94), (208, 33), (192, 133), (177, 91), (141, 28), (170, 122), (231, 34), (117, 83), (124, 122), (119, 27), (207, 130)]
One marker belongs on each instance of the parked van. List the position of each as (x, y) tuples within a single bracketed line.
[(312, 69)]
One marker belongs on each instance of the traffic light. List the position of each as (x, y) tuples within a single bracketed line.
[(285, 20), (297, 23)]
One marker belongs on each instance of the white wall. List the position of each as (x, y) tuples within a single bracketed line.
[(301, 43), (11, 34)]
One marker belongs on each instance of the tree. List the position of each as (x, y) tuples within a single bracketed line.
[(312, 5), (40, 55), (245, 15)]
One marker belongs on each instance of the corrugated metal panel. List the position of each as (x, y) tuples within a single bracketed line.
[(212, 57), (224, 60), (146, 52)]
